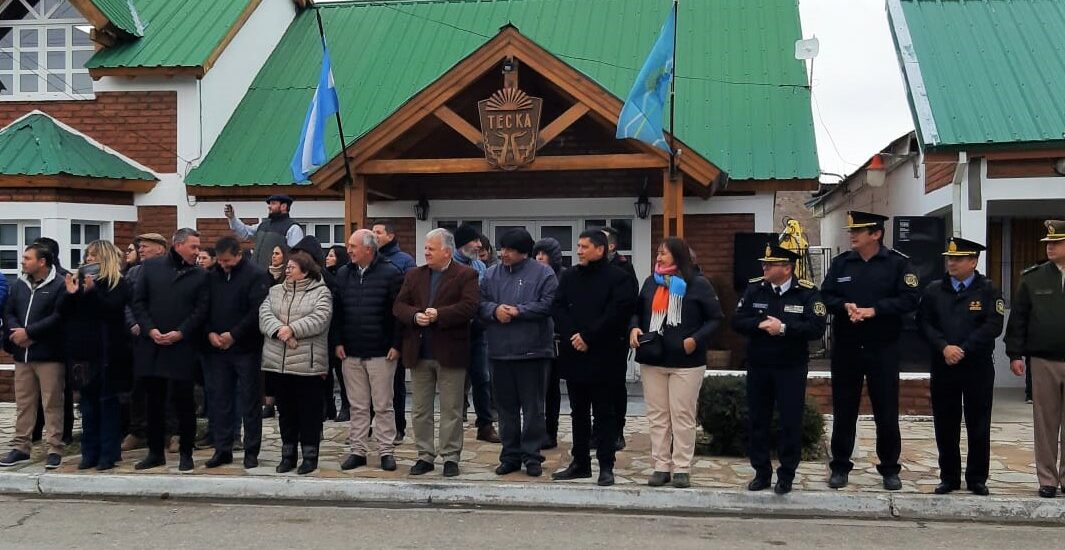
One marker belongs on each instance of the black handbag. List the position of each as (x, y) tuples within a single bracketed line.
[(651, 350)]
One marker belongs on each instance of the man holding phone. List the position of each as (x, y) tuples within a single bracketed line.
[(277, 228)]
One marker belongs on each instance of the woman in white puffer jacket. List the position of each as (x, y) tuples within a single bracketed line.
[(294, 320)]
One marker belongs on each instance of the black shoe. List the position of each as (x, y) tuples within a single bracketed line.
[(87, 464), (14, 457), (759, 484), (682, 481), (203, 443), (575, 470), (619, 443), (268, 411), (310, 460), (782, 487), (422, 467), (344, 415), (288, 459), (505, 468), (534, 469), (250, 462), (945, 488), (451, 468), (892, 482), (1048, 491), (979, 489), (388, 463), (658, 479), (549, 443), (838, 480), (53, 461), (150, 461), (104, 466), (488, 433), (353, 461), (185, 463), (606, 478), (219, 459)]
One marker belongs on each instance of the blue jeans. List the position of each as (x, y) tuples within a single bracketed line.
[(101, 422), (480, 379)]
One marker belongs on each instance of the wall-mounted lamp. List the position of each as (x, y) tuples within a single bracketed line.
[(421, 209)]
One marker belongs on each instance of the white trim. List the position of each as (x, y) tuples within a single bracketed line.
[(912, 67), (817, 374)]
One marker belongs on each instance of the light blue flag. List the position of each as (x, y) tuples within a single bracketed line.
[(310, 154), (641, 116)]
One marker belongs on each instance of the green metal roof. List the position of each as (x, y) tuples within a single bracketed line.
[(982, 72), (121, 13), (741, 96), (37, 145), (177, 33)]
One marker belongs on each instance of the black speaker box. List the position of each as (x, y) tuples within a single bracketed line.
[(922, 238)]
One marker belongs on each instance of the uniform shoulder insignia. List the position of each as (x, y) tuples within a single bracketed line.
[(806, 284), (1032, 268), (755, 280), (899, 253)]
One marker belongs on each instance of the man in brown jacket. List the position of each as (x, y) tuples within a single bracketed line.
[(435, 306)]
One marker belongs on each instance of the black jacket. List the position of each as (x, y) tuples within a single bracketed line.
[(887, 283), (362, 309), (595, 300), (700, 316), (95, 331), (1037, 315), (235, 298), (37, 311), (971, 319), (171, 295), (800, 309)]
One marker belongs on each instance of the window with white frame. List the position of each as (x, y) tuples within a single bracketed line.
[(44, 45), (15, 236), (81, 234), (328, 232)]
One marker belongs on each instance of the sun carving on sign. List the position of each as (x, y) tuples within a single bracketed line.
[(510, 123)]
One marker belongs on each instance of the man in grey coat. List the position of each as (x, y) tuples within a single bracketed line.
[(516, 297)]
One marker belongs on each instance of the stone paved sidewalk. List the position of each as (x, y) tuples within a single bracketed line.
[(1012, 466)]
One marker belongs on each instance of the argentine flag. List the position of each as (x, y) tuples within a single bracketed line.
[(310, 154), (641, 116)]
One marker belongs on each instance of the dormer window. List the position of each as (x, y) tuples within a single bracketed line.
[(44, 45)]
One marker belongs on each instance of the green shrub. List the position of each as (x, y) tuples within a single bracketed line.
[(723, 416)]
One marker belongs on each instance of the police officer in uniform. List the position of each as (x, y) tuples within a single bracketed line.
[(960, 316), (1036, 330), (779, 314), (868, 291)]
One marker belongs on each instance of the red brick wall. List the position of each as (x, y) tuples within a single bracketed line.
[(914, 396), (212, 229), (140, 125), (157, 219), (124, 234), (712, 238), (85, 196), (404, 234)]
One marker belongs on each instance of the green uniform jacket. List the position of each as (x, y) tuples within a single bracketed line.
[(1036, 326)]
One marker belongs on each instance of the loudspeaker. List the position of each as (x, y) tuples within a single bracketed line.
[(747, 248), (922, 238)]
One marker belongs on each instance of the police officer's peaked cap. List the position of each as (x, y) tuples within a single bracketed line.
[(963, 247), (775, 253), (863, 220), (280, 198), (1055, 231)]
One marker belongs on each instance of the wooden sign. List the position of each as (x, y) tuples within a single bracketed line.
[(510, 124)]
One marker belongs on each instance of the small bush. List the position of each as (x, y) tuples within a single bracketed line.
[(723, 415)]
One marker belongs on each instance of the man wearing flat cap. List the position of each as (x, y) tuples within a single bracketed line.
[(1036, 330), (960, 317), (779, 314), (277, 228), (868, 290)]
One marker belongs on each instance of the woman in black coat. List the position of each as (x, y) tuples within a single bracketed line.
[(336, 258), (98, 351), (677, 313)]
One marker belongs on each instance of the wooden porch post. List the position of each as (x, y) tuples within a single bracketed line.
[(355, 205), (672, 206)]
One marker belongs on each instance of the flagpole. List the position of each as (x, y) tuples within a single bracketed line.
[(672, 95), (340, 125)]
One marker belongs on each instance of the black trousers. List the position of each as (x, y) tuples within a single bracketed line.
[(586, 398), (879, 366), (227, 374), (964, 389), (157, 390), (553, 404), (399, 399), (299, 408), (786, 389), (519, 397), (621, 406)]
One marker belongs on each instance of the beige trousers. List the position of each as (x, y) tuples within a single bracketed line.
[(426, 378), (47, 381), (1048, 389), (671, 396), (368, 383)]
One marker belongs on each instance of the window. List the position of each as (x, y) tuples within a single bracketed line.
[(81, 234), (14, 238), (43, 50), (624, 227), (328, 232)]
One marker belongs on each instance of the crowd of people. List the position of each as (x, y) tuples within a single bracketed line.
[(270, 330)]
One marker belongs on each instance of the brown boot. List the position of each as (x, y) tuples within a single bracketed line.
[(487, 433), (175, 444), (132, 442)]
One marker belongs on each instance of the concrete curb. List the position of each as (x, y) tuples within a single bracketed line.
[(523, 495)]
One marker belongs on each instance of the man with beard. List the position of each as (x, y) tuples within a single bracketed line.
[(277, 228)]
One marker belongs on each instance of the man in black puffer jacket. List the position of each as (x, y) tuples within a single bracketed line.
[(368, 345)]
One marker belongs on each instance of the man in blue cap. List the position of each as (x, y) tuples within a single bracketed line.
[(277, 228)]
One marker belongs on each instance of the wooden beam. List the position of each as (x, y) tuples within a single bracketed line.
[(678, 195), (459, 124), (63, 181), (772, 185), (669, 205), (131, 72), (355, 205), (559, 125), (230, 34), (260, 192), (541, 164)]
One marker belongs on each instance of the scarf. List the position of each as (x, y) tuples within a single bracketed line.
[(666, 306), (276, 272)]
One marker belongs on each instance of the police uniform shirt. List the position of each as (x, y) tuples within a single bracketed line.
[(886, 282), (970, 318), (799, 307)]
